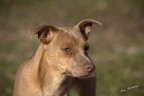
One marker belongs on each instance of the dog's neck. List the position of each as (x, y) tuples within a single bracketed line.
[(52, 81)]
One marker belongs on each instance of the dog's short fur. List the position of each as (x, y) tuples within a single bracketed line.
[(61, 61)]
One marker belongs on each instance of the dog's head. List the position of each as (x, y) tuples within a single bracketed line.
[(67, 47)]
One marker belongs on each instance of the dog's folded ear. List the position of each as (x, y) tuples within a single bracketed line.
[(85, 26), (45, 33)]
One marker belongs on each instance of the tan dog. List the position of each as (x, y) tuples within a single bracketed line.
[(60, 61)]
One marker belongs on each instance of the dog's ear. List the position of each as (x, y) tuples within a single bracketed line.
[(45, 33), (85, 26)]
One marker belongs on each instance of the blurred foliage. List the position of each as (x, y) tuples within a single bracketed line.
[(117, 48)]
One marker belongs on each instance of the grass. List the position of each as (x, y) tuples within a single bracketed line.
[(116, 47)]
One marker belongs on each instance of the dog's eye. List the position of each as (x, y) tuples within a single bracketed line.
[(86, 49), (67, 49)]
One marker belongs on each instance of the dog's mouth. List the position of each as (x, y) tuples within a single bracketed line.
[(83, 77), (92, 74), (80, 75)]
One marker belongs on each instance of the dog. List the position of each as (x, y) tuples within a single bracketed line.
[(61, 62)]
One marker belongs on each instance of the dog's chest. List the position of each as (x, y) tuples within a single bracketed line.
[(58, 88)]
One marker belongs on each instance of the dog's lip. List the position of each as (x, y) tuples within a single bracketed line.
[(86, 76), (82, 77), (74, 74)]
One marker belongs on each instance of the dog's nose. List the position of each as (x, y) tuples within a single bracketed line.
[(90, 67)]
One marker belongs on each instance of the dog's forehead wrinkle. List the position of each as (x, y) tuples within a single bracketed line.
[(72, 32)]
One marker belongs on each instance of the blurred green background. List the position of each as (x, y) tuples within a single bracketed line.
[(117, 48)]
